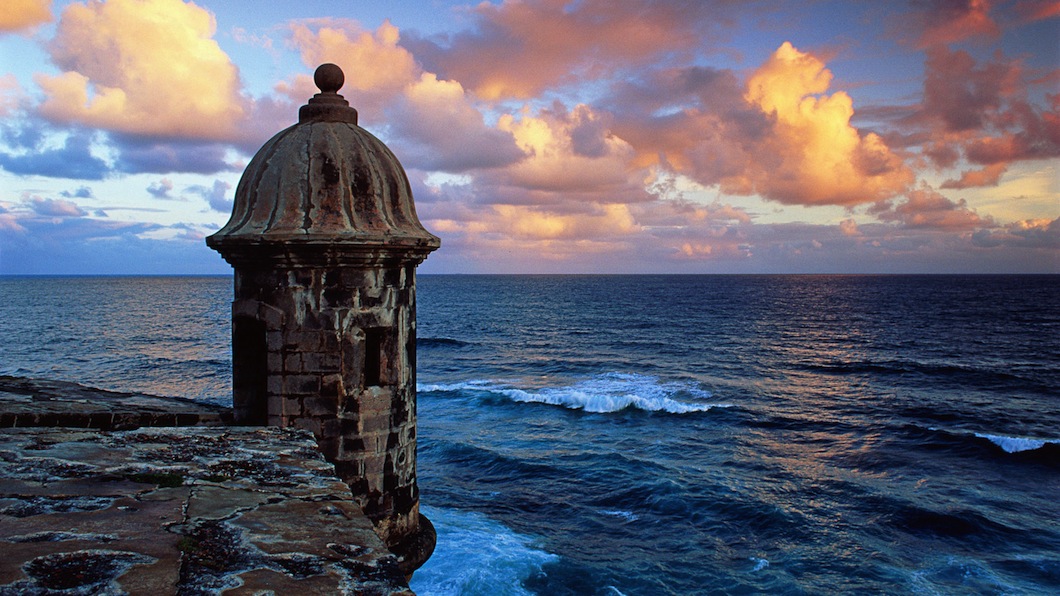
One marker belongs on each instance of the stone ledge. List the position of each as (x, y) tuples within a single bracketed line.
[(37, 402), (238, 510)]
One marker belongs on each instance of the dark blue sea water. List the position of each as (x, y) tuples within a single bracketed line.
[(669, 434)]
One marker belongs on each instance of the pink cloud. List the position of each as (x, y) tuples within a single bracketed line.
[(926, 208), (554, 170), (963, 95), (161, 189), (986, 176), (1037, 10), (11, 95), (980, 112), (518, 49), (440, 129), (9, 223), (54, 207), (947, 21)]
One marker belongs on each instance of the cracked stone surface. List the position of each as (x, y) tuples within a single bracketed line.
[(198, 510)]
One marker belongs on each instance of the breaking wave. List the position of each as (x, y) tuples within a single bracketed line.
[(476, 555), (1017, 444), (604, 393)]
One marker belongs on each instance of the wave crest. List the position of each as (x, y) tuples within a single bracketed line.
[(1017, 444), (1007, 443), (604, 393)]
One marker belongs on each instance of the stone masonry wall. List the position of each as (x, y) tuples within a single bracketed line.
[(339, 361)]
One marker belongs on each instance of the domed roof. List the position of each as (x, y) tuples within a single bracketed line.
[(324, 184)]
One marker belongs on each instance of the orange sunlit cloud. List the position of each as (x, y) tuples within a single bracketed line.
[(144, 67), (987, 176), (815, 156), (567, 152), (601, 222), (16, 15), (376, 67)]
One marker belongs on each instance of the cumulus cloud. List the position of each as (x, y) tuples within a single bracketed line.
[(433, 123), (145, 67), (377, 69), (927, 208), (813, 155), (849, 227), (554, 167), (17, 15), (692, 120), (665, 213), (441, 130), (777, 134)]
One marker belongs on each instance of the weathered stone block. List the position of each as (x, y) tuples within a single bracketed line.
[(301, 384), (318, 406), (292, 362), (274, 383), (321, 361), (274, 361), (303, 341)]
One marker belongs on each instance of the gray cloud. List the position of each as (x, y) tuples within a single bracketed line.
[(73, 160)]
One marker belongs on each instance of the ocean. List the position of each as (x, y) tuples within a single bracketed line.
[(611, 435)]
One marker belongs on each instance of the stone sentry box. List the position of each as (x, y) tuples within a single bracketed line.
[(324, 240)]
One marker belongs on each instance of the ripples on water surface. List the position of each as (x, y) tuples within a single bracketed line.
[(682, 435)]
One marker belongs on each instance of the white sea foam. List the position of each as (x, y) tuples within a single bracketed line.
[(760, 564), (447, 387), (1016, 444), (609, 392), (626, 515), (476, 555)]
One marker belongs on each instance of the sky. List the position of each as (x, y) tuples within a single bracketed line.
[(549, 136)]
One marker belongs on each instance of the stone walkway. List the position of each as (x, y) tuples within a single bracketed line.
[(192, 510)]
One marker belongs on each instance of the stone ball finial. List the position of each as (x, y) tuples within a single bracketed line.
[(329, 78)]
